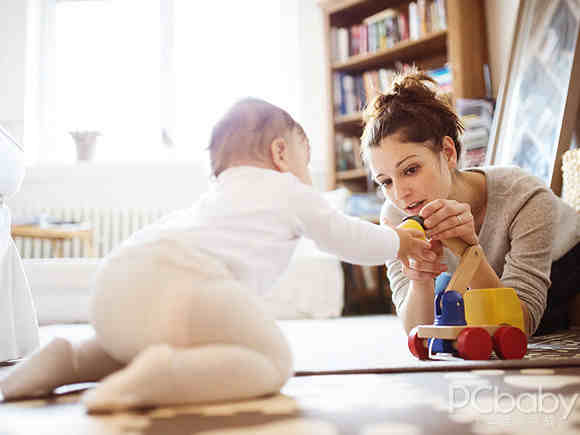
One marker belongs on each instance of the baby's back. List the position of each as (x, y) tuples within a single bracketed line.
[(245, 221)]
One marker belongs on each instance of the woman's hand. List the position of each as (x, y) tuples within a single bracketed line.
[(426, 270), (446, 219)]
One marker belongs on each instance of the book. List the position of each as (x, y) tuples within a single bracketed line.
[(476, 116)]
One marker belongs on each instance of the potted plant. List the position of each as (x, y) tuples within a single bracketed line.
[(86, 141)]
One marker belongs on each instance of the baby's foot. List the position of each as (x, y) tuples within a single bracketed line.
[(47, 368), (138, 385)]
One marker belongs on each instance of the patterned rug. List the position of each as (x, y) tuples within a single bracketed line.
[(478, 402), (378, 388)]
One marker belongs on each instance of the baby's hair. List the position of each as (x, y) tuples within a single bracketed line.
[(413, 110), (246, 131)]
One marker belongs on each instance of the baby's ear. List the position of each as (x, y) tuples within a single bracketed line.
[(278, 151)]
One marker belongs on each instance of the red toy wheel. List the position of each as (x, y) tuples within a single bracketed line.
[(510, 342), (474, 343), (417, 346)]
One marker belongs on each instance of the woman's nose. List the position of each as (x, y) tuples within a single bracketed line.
[(401, 190)]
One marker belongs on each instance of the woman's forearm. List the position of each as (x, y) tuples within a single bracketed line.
[(417, 308)]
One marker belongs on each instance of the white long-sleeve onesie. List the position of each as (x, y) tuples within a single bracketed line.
[(179, 301), (252, 219)]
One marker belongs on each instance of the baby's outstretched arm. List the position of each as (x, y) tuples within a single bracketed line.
[(351, 239)]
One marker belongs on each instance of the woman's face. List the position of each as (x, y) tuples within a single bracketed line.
[(410, 174)]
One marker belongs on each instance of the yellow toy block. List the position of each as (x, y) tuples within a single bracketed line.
[(493, 306)]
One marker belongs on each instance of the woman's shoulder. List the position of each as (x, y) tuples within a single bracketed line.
[(512, 180)]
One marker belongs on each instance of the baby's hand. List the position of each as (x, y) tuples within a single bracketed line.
[(413, 246), (426, 270)]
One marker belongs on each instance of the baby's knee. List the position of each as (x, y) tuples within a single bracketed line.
[(285, 363)]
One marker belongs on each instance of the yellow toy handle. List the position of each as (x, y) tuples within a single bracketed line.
[(456, 245), (415, 222)]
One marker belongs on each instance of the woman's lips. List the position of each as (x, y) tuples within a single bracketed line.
[(416, 207)]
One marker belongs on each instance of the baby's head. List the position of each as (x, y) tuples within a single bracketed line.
[(254, 132)]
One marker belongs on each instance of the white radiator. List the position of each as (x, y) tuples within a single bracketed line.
[(110, 227)]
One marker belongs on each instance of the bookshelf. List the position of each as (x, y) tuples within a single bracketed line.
[(465, 57), (366, 41)]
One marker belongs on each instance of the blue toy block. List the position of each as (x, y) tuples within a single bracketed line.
[(449, 309)]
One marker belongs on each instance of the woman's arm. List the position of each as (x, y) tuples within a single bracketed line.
[(529, 254), (417, 307), (413, 288)]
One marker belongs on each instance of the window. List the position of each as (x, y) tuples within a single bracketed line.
[(107, 78), (153, 76)]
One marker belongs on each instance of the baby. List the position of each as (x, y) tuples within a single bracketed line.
[(176, 308)]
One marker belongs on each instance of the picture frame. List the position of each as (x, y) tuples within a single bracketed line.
[(539, 98)]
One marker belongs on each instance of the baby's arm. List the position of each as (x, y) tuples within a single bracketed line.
[(352, 239)]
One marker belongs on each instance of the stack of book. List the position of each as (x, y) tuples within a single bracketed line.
[(352, 92), (426, 17), (387, 28), (443, 78), (347, 153), (477, 116)]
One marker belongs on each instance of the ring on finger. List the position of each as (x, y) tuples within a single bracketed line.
[(459, 219)]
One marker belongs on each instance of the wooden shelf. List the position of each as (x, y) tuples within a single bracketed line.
[(351, 174), (406, 50), (345, 12), (350, 120), (465, 56)]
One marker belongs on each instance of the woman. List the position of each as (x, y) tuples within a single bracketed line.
[(530, 236)]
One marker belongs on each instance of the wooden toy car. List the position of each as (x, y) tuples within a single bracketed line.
[(469, 323)]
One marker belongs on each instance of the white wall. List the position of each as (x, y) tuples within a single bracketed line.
[(312, 93), (13, 25), (147, 185), (500, 18), (111, 186)]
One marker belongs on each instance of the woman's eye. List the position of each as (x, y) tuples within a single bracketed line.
[(385, 183), (412, 170)]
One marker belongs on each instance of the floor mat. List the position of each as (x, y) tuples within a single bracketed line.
[(378, 344)]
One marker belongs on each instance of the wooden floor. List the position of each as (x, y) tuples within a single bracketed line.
[(405, 403), (438, 399)]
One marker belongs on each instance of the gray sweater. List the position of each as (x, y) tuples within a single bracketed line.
[(526, 227)]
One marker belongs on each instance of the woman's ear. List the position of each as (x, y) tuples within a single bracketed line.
[(279, 152), (449, 152)]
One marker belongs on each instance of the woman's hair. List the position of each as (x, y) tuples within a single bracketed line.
[(246, 131), (413, 110)]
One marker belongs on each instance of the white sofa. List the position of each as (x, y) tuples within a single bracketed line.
[(312, 287)]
